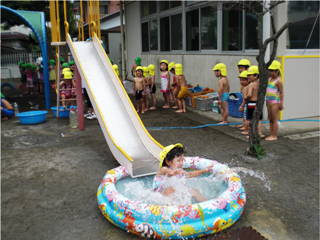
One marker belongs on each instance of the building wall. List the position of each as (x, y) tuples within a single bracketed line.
[(133, 33), (299, 99), (114, 47)]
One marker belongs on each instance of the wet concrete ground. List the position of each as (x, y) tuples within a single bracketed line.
[(49, 182)]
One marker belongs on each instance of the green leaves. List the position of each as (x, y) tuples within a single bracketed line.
[(259, 151)]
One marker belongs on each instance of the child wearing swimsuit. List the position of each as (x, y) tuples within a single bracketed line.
[(274, 98), (165, 83), (171, 165)]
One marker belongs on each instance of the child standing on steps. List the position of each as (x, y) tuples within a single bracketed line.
[(243, 65), (171, 165), (165, 83), (174, 84), (152, 72), (220, 71), (274, 98), (139, 87), (52, 74)]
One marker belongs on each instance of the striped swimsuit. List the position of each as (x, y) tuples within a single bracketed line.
[(272, 92)]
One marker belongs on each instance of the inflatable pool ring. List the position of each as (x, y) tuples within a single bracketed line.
[(174, 222)]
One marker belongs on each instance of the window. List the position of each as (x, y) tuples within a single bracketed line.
[(165, 5), (154, 35), (104, 9), (208, 28), (145, 37), (303, 15), (176, 32), (148, 7), (165, 34), (232, 30), (192, 30), (251, 33)]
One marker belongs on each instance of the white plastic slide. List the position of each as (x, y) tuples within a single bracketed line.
[(128, 140)]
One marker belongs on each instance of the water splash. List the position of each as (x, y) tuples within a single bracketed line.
[(210, 186), (256, 174)]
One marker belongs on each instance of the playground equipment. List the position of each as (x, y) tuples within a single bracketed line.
[(36, 22)]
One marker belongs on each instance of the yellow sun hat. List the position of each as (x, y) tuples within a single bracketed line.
[(171, 65), (243, 74), (178, 69), (222, 68), (244, 62), (253, 70), (152, 69), (116, 69), (164, 61), (139, 68), (165, 151), (145, 71), (275, 65)]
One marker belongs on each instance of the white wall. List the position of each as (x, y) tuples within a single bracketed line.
[(133, 33), (114, 47), (301, 87)]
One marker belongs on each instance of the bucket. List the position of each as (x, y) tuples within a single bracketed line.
[(32, 117), (62, 113)]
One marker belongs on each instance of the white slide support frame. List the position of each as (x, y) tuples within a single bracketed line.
[(129, 141)]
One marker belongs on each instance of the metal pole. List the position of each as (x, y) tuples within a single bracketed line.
[(266, 30), (79, 98), (58, 81), (123, 75)]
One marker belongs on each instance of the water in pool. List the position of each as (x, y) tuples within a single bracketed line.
[(140, 189)]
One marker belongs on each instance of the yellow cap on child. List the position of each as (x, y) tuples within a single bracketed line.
[(243, 74), (67, 74), (164, 61), (165, 151), (145, 71), (178, 69), (244, 62), (116, 69), (139, 68), (275, 65), (253, 70), (171, 65), (222, 68), (152, 69)]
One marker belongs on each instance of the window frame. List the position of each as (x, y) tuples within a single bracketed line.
[(148, 37), (183, 9)]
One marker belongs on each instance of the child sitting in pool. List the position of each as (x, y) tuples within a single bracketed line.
[(171, 165)]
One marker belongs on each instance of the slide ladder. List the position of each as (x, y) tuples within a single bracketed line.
[(129, 141)]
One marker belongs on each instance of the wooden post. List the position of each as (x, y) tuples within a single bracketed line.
[(79, 98)]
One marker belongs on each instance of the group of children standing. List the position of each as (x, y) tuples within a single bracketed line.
[(30, 81), (144, 84), (249, 76)]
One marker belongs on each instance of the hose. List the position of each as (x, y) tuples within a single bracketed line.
[(226, 124)]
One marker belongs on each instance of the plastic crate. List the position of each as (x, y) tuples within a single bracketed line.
[(234, 104), (191, 97), (204, 104)]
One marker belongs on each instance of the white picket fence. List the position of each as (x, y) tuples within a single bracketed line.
[(11, 61)]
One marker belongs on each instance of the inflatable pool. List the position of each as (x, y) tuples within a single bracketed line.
[(174, 222)]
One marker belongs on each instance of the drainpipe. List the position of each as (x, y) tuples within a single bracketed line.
[(266, 30), (123, 75)]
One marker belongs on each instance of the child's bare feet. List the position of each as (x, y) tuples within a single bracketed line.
[(222, 122), (138, 110), (261, 136), (240, 126), (146, 110), (142, 111), (152, 108), (175, 107), (242, 129), (179, 111), (271, 138), (4, 118), (166, 106), (245, 133)]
